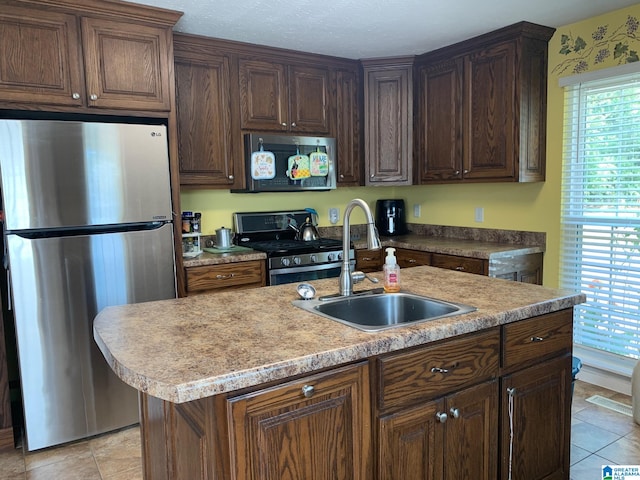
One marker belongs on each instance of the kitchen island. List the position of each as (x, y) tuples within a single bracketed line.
[(244, 385)]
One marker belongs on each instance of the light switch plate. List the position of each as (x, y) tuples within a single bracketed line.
[(479, 214), (334, 214), (416, 210)]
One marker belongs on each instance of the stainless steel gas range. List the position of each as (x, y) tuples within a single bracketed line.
[(289, 260)]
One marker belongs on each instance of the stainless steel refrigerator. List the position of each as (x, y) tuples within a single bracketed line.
[(88, 224)]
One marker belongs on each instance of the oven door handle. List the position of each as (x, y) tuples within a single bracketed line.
[(308, 268)]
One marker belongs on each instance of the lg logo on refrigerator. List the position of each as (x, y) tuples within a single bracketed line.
[(156, 134)]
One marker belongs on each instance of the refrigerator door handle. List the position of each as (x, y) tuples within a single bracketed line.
[(9, 290)]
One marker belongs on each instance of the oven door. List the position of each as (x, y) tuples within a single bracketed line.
[(279, 276)]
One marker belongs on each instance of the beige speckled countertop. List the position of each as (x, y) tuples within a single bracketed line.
[(449, 246), (189, 348)]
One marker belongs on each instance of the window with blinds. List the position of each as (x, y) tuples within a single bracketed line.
[(600, 245)]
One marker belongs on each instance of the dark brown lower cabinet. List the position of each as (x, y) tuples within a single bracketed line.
[(449, 438), (316, 428), (472, 407), (535, 411)]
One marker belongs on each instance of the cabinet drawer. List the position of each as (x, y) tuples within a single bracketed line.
[(405, 378), (536, 338), (462, 264), (369, 260), (412, 258), (228, 275)]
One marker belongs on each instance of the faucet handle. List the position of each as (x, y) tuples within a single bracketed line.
[(357, 277)]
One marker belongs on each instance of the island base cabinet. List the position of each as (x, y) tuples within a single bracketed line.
[(536, 422), (316, 428), (451, 438)]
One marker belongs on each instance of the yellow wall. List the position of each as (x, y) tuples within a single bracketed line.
[(532, 207)]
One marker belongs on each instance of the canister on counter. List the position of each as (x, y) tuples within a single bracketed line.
[(195, 222), (186, 222)]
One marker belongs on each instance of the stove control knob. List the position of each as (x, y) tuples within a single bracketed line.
[(285, 262), (313, 259), (339, 255), (297, 260), (331, 257)]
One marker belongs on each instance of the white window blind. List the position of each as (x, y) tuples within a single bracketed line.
[(600, 245)]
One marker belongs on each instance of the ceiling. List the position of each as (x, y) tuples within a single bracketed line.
[(370, 28)]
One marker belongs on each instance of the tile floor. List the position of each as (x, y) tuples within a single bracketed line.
[(599, 436)]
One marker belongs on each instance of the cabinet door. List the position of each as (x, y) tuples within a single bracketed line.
[(263, 95), (535, 433), (461, 264), (126, 65), (471, 435), (440, 114), (316, 428), (235, 275), (369, 260), (412, 258), (309, 99), (490, 132), (411, 444), (388, 125), (348, 127), (40, 58), (203, 104)]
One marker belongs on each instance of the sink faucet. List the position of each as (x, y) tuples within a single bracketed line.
[(373, 243)]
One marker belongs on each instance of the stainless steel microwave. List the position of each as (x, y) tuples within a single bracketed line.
[(289, 163)]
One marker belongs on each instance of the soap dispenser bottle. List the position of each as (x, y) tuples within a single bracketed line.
[(391, 272)]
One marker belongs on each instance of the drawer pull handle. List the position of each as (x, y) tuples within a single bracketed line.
[(224, 277), (537, 339), (439, 370), (308, 391), (454, 412), (460, 268), (367, 259), (441, 417), (411, 260)]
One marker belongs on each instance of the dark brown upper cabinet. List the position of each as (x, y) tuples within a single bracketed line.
[(276, 96), (481, 109), (209, 140), (75, 58)]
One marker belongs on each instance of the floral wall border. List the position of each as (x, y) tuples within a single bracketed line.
[(582, 54)]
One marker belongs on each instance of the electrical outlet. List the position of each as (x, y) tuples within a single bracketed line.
[(479, 214), (416, 210), (334, 214)]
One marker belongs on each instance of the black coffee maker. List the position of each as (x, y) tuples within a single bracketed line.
[(390, 217)]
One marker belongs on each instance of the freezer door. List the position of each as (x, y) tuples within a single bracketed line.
[(69, 174), (59, 285)]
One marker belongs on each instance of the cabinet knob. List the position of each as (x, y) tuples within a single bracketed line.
[(230, 177), (293, 125), (308, 391), (341, 176), (75, 96), (441, 417), (93, 96), (465, 171), (457, 172), (454, 412), (283, 124), (372, 175)]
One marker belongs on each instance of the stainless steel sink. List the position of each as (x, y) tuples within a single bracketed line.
[(381, 311)]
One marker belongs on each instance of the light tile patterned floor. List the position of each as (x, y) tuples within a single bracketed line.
[(599, 436)]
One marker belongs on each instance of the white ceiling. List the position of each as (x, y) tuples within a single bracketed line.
[(370, 28)]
